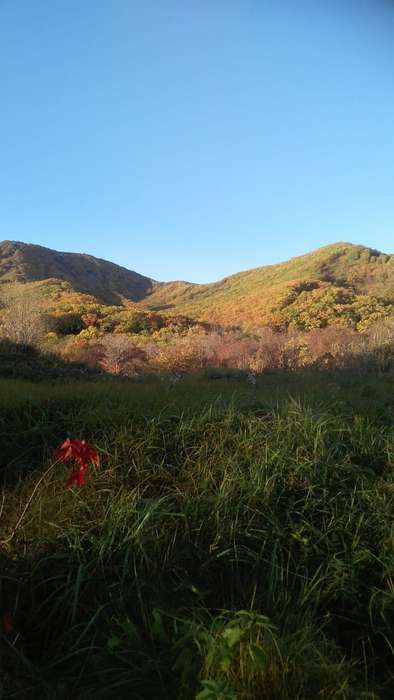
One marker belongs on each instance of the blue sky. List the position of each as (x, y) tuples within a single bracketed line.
[(193, 139)]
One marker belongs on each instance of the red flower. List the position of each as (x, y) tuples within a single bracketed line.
[(78, 451), (77, 477), (8, 623)]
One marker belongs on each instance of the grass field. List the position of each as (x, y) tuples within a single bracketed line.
[(237, 541)]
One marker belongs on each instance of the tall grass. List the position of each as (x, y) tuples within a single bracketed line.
[(238, 546)]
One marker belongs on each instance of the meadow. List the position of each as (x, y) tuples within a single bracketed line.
[(236, 542)]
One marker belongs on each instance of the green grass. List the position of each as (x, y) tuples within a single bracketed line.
[(237, 541)]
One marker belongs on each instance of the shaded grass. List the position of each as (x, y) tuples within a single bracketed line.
[(236, 543)]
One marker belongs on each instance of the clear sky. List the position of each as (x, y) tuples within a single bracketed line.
[(190, 139)]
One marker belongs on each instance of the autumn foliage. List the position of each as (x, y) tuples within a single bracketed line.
[(80, 452)]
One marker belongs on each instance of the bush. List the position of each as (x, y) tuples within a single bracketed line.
[(120, 356), (68, 324)]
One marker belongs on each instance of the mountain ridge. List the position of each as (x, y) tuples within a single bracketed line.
[(249, 297), (30, 262)]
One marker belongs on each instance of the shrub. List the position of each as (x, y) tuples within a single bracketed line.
[(23, 320), (68, 324), (119, 355)]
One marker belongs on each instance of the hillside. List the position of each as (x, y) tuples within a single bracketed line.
[(338, 274), (340, 283), (107, 282)]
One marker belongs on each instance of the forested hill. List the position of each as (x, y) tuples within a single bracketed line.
[(341, 284), (338, 281)]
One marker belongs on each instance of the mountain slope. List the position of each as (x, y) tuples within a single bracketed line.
[(258, 295), (340, 283), (109, 283)]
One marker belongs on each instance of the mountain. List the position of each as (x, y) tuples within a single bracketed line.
[(107, 282), (259, 295), (339, 283)]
